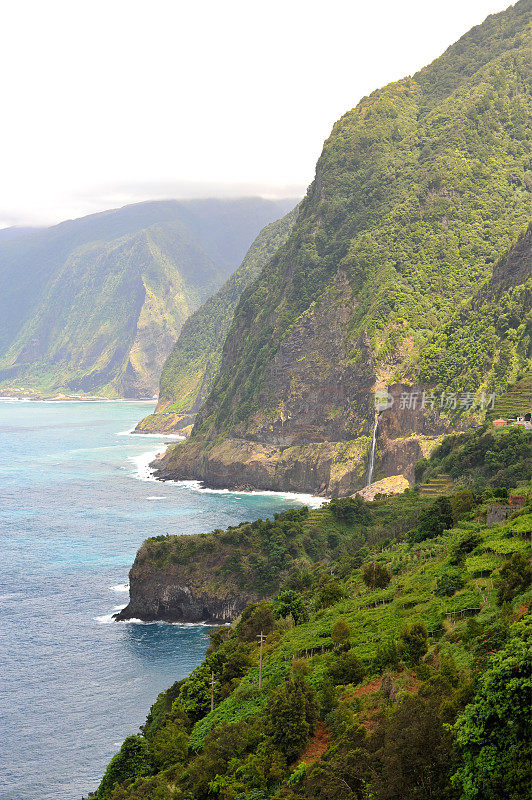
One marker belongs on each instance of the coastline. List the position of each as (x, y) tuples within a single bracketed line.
[(147, 469)]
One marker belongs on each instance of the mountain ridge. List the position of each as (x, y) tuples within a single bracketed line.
[(121, 284), (418, 193)]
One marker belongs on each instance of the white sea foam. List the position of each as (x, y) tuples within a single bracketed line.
[(145, 472), (135, 433), (107, 619), (142, 463), (120, 587), (156, 497)]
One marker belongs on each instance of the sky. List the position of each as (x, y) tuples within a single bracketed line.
[(109, 102)]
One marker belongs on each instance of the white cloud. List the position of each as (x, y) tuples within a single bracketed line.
[(126, 98)]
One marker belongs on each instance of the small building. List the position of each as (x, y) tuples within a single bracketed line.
[(500, 423), (497, 513)]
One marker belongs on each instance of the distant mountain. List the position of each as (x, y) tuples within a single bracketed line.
[(14, 232), (420, 192), (94, 305), (193, 364)]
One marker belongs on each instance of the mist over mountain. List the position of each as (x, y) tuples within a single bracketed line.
[(94, 305), (419, 191)]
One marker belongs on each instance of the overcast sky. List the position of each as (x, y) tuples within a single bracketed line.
[(114, 101)]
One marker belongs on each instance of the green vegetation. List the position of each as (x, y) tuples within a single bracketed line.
[(193, 364), (480, 458), (94, 305), (420, 192), (386, 690)]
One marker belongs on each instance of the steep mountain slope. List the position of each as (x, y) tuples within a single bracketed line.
[(94, 305), (193, 364), (396, 652), (419, 191)]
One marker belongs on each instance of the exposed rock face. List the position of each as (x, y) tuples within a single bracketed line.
[(167, 597), (395, 236), (182, 593)]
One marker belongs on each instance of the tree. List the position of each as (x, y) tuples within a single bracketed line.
[(415, 642), (448, 583), (513, 578), (290, 602), (466, 544), (256, 618), (350, 510), (340, 632), (346, 668), (493, 733), (376, 576), (329, 594), (412, 762), (434, 520), (291, 715), (169, 746), (132, 761)]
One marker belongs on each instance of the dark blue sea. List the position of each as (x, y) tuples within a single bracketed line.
[(76, 501)]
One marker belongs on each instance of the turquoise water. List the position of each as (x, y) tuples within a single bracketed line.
[(73, 511)]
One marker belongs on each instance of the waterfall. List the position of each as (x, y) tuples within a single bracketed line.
[(371, 462)]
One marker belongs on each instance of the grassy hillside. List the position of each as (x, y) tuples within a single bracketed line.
[(94, 305), (396, 660), (419, 193), (193, 364)]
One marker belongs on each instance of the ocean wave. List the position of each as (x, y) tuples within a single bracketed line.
[(310, 500), (120, 587), (156, 497), (133, 432), (145, 472), (108, 619)]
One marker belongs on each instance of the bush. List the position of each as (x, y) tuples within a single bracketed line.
[(465, 545), (448, 583), (350, 510), (289, 602), (329, 594), (493, 733), (414, 641), (256, 618), (291, 714), (376, 576), (386, 655), (346, 668), (434, 520), (513, 578), (340, 632), (132, 761)]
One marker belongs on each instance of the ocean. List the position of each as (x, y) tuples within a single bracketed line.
[(76, 501)]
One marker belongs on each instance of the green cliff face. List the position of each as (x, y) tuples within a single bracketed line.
[(396, 654), (420, 190), (193, 364), (93, 306)]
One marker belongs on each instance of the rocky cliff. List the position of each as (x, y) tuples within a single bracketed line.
[(191, 368), (95, 305), (419, 191)]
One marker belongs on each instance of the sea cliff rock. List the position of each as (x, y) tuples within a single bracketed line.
[(191, 591)]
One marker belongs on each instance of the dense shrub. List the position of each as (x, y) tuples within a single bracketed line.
[(434, 520), (346, 668), (493, 733), (291, 715), (350, 510), (376, 576), (513, 578), (448, 583), (414, 640)]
